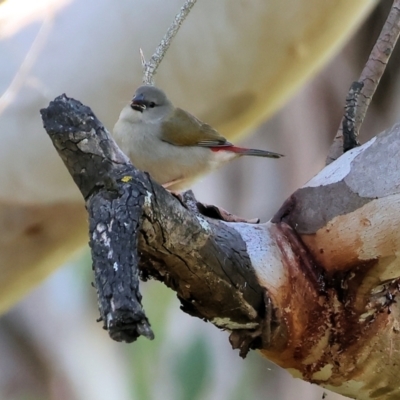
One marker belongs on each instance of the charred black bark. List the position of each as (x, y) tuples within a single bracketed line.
[(102, 174)]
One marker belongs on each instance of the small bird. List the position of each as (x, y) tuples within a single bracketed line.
[(173, 146)]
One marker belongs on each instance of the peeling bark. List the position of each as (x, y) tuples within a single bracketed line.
[(348, 218), (314, 289)]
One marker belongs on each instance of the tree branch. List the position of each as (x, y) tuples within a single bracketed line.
[(150, 67), (204, 260), (314, 289), (100, 170), (361, 91)]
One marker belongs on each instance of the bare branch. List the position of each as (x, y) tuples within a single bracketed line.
[(150, 67), (362, 91), (142, 59)]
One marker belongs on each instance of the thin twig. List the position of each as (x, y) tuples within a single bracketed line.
[(142, 59), (150, 67), (358, 103)]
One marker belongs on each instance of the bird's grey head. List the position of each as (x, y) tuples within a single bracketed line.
[(151, 102)]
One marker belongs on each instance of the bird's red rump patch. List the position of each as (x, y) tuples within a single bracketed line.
[(233, 149)]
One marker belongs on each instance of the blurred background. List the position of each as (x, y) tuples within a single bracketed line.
[(270, 74)]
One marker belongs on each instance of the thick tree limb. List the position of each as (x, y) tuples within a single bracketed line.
[(101, 171), (204, 260), (314, 289)]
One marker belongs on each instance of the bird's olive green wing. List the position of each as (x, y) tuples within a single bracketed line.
[(183, 129)]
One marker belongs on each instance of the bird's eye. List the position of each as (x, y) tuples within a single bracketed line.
[(152, 104)]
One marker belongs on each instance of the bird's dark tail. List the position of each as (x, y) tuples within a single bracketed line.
[(252, 152)]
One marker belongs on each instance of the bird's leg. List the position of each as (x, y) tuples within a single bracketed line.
[(171, 183)]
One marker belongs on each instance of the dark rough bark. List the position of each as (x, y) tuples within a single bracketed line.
[(349, 127), (102, 173), (202, 259), (135, 223)]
